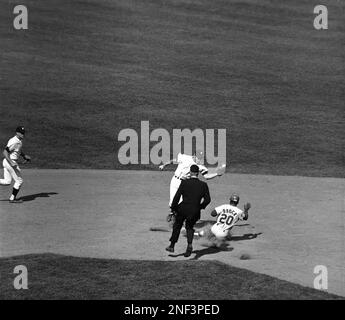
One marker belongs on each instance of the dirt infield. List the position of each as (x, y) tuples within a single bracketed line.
[(295, 224)]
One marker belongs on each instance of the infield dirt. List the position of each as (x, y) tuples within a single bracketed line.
[(295, 223)]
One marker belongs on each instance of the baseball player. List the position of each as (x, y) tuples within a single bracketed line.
[(227, 216), (12, 153), (184, 162)]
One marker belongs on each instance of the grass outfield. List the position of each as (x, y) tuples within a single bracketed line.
[(87, 69), (62, 277)]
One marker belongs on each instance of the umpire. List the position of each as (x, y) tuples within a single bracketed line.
[(193, 191)]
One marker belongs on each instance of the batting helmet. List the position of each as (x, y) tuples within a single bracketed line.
[(234, 198), (20, 129)]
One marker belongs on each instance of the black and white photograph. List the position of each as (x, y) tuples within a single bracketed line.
[(172, 154)]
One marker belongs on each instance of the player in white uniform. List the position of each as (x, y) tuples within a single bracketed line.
[(228, 216), (12, 153), (184, 162)]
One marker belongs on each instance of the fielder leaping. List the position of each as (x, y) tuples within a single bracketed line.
[(184, 162)]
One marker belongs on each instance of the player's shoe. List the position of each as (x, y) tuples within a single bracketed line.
[(188, 251), (203, 233), (15, 201), (170, 249)]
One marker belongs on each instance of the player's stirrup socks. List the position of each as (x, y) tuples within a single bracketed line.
[(14, 194)]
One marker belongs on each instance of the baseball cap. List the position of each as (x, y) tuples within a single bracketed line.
[(194, 168), (20, 129), (235, 197)]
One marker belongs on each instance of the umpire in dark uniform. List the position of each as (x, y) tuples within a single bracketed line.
[(193, 191)]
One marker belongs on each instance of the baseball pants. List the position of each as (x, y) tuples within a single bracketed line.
[(174, 185), (11, 173)]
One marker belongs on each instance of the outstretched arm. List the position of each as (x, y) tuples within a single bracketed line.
[(247, 206), (217, 172), (206, 198), (209, 176), (171, 161)]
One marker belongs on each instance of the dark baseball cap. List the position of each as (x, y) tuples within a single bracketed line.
[(235, 197), (194, 168), (20, 129)]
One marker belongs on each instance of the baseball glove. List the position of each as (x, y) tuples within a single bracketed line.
[(221, 169), (247, 206)]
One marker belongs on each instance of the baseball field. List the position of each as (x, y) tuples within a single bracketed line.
[(84, 70)]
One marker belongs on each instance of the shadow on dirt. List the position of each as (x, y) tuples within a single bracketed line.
[(32, 197), (247, 236), (206, 251), (211, 250)]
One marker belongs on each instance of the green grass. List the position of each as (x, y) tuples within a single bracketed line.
[(87, 69), (53, 276)]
